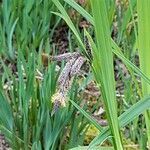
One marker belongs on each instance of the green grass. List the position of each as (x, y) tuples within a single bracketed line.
[(115, 32), (26, 105), (105, 59), (116, 49), (144, 54)]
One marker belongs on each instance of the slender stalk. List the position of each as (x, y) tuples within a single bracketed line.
[(143, 7), (106, 76)]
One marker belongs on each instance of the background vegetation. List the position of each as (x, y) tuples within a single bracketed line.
[(107, 103)]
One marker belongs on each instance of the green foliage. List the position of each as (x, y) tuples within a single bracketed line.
[(132, 68), (144, 54), (26, 107), (24, 24), (105, 58), (27, 28)]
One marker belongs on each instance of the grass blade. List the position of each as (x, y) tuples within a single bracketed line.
[(87, 115), (68, 20), (107, 82), (143, 8)]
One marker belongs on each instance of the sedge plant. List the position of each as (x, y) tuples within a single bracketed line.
[(25, 103), (26, 28)]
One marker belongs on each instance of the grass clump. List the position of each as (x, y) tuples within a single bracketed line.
[(53, 86)]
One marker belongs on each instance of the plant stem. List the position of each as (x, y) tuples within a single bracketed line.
[(143, 7), (106, 77)]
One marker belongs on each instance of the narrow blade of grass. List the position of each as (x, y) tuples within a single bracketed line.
[(87, 115), (143, 8), (107, 82)]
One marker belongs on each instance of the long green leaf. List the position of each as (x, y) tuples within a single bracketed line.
[(6, 115), (81, 10), (105, 58), (10, 40), (95, 148), (87, 115), (143, 8), (65, 16)]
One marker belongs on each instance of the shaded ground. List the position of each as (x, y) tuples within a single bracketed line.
[(3, 144)]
